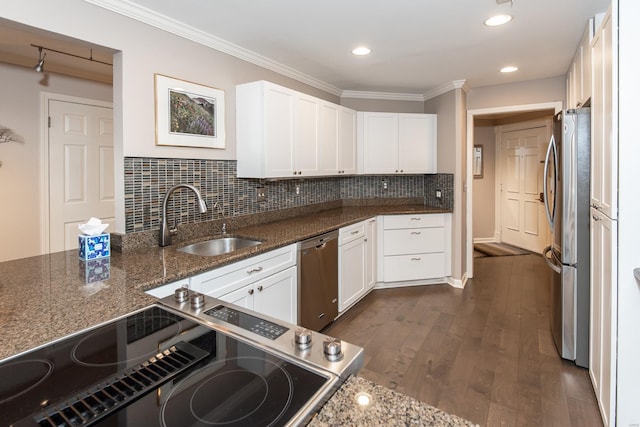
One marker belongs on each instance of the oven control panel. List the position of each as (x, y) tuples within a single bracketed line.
[(295, 342), (247, 322)]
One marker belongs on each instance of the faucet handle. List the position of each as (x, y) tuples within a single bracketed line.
[(174, 229)]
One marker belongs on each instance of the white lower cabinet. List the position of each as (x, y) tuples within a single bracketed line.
[(275, 296), (266, 283), (415, 247), (354, 265)]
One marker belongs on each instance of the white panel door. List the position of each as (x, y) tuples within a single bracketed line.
[(347, 141), (81, 174), (415, 143), (380, 142), (522, 214), (277, 295), (278, 123), (329, 137)]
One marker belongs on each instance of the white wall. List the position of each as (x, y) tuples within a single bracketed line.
[(20, 171), (383, 106), (143, 51), (531, 92)]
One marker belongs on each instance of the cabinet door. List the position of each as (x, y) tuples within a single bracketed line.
[(277, 296), (371, 248), (242, 297), (379, 141), (278, 131), (604, 148), (347, 141), (416, 143), (306, 132), (329, 139), (602, 354), (352, 272)]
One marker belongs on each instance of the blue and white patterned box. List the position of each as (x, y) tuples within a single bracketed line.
[(92, 247), (95, 270)]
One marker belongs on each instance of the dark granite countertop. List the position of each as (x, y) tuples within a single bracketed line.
[(46, 297), (386, 408)]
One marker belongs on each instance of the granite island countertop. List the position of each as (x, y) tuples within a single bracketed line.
[(44, 298), (386, 408)]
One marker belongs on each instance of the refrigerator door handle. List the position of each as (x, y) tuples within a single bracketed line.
[(549, 260), (636, 274), (551, 150)]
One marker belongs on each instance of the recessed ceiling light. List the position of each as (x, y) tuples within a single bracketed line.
[(496, 20), (360, 51), (509, 69)]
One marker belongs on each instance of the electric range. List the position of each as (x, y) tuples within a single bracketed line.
[(190, 360)]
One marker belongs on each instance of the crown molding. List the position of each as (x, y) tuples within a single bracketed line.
[(165, 23), (455, 84), (382, 96)]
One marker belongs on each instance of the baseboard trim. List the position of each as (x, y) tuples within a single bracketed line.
[(458, 283), (484, 240)]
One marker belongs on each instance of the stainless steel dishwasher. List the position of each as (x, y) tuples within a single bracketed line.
[(318, 281)]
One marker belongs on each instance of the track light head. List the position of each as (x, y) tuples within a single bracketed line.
[(39, 67)]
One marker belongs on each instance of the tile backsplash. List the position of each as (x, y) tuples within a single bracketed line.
[(148, 179)]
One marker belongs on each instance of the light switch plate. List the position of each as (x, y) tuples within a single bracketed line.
[(438, 194)]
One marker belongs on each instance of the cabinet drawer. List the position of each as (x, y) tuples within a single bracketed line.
[(231, 277), (392, 222), (414, 267), (352, 232), (414, 241)]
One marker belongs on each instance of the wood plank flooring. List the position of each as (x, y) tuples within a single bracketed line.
[(484, 353)]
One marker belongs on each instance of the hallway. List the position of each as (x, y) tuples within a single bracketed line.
[(484, 353)]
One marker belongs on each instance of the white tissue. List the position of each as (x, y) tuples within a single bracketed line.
[(93, 227)]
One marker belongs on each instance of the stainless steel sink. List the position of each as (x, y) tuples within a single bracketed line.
[(219, 246)]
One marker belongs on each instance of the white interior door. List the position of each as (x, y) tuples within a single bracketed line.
[(81, 174), (523, 220)]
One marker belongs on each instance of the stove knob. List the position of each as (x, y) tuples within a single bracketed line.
[(332, 348), (181, 294), (303, 338), (197, 300)]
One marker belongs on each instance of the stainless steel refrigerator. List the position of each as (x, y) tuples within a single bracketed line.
[(567, 196)]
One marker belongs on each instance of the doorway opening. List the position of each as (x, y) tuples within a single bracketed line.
[(489, 119)]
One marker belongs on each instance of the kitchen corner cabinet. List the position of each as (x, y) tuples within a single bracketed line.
[(579, 74), (604, 143), (397, 143), (415, 247), (283, 133), (354, 264)]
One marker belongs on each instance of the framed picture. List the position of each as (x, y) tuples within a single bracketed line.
[(188, 114), (477, 161)]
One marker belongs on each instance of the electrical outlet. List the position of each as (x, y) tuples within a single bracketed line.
[(385, 185), (438, 194), (261, 194), (297, 188)]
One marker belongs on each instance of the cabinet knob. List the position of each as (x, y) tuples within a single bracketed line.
[(260, 288), (250, 291)]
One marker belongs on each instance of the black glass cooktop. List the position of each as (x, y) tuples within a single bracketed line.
[(153, 368)]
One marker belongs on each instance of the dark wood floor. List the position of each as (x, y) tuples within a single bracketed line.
[(484, 353)]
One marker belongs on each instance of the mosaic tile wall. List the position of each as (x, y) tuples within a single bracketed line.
[(148, 179), (439, 181)]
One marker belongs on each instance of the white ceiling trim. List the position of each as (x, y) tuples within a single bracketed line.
[(165, 23), (382, 95), (456, 84)]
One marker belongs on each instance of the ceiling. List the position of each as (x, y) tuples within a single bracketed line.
[(417, 45)]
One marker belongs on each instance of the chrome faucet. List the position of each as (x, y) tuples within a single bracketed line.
[(165, 231), (224, 218)]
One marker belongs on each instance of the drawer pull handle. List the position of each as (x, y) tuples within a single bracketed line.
[(416, 232), (260, 288), (416, 259), (416, 219), (254, 270), (355, 232)]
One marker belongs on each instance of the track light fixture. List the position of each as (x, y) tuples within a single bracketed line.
[(39, 67)]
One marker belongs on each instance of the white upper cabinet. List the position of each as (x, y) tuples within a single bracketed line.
[(393, 143), (579, 74), (284, 133), (337, 139)]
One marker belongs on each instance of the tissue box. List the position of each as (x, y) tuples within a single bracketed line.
[(92, 247), (95, 270)]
